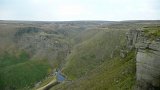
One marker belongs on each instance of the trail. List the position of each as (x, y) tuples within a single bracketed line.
[(49, 85), (59, 78)]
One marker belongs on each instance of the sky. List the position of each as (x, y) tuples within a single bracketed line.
[(69, 10)]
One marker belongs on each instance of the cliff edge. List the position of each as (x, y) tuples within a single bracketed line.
[(147, 44)]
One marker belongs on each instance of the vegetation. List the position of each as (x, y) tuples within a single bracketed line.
[(93, 52), (45, 82), (152, 32), (18, 72), (115, 74), (7, 59), (87, 52)]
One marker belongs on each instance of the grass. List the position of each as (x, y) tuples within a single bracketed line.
[(18, 73), (45, 82), (117, 74), (92, 53), (152, 32), (7, 59)]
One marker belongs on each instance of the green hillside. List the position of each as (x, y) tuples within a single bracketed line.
[(115, 74), (18, 72), (93, 52)]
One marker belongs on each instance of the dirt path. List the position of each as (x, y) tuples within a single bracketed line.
[(58, 78), (49, 85)]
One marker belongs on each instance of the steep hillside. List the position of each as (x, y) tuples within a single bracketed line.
[(18, 72), (116, 74), (93, 52)]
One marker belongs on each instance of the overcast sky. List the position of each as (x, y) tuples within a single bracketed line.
[(67, 10)]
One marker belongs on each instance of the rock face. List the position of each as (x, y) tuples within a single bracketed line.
[(148, 65), (42, 44), (132, 37), (147, 60)]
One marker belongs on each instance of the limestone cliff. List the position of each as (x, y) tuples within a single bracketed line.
[(42, 44), (147, 59)]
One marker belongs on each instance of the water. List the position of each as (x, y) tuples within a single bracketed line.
[(60, 77)]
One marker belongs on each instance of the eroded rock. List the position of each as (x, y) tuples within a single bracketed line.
[(147, 60)]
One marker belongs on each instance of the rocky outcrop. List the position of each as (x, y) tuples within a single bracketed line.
[(147, 60), (148, 67), (41, 44), (132, 37)]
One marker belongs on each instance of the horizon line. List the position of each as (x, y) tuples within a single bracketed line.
[(79, 20)]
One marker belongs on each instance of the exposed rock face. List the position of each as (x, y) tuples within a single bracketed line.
[(147, 60), (132, 37), (42, 44), (148, 66)]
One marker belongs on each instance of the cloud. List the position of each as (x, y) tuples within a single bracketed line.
[(70, 10), (79, 9)]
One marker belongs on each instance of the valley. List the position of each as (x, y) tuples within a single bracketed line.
[(90, 55)]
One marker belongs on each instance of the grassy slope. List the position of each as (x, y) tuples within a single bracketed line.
[(18, 72), (152, 32), (84, 35), (93, 52), (117, 74)]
